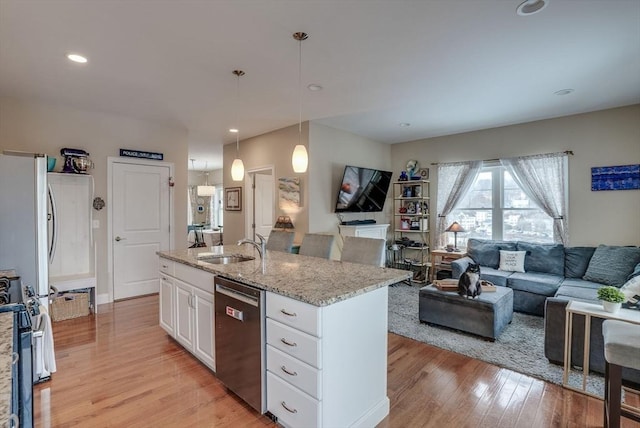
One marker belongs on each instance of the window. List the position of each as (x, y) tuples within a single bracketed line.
[(495, 207)]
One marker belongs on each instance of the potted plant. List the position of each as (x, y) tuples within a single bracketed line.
[(612, 298)]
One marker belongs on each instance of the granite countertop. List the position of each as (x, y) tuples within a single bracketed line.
[(313, 280), (6, 355)]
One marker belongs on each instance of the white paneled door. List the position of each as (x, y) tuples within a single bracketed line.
[(140, 226)]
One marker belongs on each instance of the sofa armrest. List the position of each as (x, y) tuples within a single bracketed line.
[(459, 266)]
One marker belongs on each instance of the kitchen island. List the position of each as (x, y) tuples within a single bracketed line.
[(336, 374)]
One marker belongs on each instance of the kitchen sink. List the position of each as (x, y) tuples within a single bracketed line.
[(224, 259)]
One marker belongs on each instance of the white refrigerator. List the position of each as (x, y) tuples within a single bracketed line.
[(23, 220)]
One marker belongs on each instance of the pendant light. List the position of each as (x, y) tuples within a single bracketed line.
[(300, 159), (206, 190), (237, 167)]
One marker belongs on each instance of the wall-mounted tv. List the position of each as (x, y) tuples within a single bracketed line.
[(362, 190)]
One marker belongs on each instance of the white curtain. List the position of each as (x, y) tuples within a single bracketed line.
[(192, 204), (454, 180), (544, 179)]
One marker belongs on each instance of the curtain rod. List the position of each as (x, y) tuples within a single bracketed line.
[(566, 152)]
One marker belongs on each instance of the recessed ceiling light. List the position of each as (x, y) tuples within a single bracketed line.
[(234, 130), (529, 7), (404, 124), (314, 87), (563, 92), (77, 58)]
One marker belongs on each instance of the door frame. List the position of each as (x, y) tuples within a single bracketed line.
[(111, 161), (249, 197)]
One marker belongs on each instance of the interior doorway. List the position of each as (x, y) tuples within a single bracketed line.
[(140, 218), (260, 201)]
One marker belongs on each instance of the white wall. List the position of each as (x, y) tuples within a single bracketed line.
[(604, 138), (46, 128), (330, 150)]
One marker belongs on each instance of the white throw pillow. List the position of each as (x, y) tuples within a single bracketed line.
[(631, 287), (512, 261)]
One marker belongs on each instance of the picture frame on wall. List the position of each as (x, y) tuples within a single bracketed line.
[(233, 199)]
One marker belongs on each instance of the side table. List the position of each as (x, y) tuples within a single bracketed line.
[(439, 260), (588, 310)]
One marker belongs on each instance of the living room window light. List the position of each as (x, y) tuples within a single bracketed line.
[(497, 206)]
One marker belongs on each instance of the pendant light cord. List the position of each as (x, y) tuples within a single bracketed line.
[(300, 91), (238, 114)]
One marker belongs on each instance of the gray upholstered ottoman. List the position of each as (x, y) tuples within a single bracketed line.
[(485, 316)]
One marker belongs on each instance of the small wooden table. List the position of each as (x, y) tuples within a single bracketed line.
[(588, 310), (438, 258)]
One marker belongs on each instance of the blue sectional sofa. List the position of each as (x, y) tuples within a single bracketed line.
[(553, 275)]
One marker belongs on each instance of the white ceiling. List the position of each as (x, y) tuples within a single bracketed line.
[(443, 66)]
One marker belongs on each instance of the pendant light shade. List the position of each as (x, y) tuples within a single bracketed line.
[(206, 190), (300, 158), (237, 167), (237, 170)]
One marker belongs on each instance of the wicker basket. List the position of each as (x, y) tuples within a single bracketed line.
[(69, 305)]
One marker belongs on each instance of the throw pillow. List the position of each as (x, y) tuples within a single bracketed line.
[(611, 265), (544, 258), (576, 261), (512, 261), (631, 288)]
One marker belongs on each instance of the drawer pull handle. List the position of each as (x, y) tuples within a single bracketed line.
[(165, 266), (283, 340), (284, 369), (15, 359), (289, 314), (283, 404)]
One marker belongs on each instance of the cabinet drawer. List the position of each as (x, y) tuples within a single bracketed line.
[(196, 277), (294, 371), (294, 313), (300, 345), (293, 407), (166, 266)]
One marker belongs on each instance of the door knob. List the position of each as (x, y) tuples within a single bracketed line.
[(118, 239)]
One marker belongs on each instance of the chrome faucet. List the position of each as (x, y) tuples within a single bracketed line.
[(261, 247)]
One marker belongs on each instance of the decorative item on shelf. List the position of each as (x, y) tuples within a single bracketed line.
[(404, 223), (76, 161), (612, 298), (403, 176), (51, 163), (411, 208), (424, 173), (415, 224), (407, 192), (402, 210), (237, 167), (412, 168), (455, 228), (300, 158), (283, 223)]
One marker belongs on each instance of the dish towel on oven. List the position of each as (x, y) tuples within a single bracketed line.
[(48, 352)]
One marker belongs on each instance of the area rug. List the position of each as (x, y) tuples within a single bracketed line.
[(520, 347)]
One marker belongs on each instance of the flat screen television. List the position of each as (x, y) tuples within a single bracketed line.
[(362, 190)]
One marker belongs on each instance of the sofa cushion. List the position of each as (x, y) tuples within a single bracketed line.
[(487, 252), (533, 282), (497, 277), (545, 258), (576, 261), (512, 261), (612, 265), (574, 288)]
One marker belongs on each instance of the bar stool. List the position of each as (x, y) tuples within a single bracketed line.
[(621, 349)]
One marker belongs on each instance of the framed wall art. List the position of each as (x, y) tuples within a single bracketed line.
[(233, 199), (621, 177)]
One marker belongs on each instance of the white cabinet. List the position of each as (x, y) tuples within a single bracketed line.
[(187, 308), (327, 366), (167, 304), (72, 250)]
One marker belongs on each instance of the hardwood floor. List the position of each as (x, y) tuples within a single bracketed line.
[(120, 369)]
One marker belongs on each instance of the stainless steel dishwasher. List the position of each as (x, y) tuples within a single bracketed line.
[(240, 356)]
